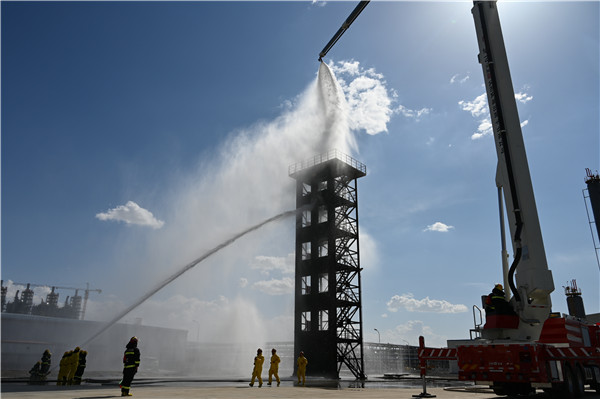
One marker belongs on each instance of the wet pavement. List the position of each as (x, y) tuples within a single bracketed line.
[(188, 389)]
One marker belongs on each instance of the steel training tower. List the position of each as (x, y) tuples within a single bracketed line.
[(328, 308)]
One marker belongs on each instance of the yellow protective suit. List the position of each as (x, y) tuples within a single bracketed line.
[(302, 362), (257, 371), (274, 369), (73, 364), (63, 371)]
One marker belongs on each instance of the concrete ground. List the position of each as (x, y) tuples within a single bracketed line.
[(238, 389)]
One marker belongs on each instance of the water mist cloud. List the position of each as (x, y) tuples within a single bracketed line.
[(275, 287), (267, 264)]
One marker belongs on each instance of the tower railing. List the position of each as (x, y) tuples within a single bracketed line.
[(327, 156)]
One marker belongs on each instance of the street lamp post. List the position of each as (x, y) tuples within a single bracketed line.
[(379, 335)]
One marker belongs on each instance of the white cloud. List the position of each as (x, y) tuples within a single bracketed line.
[(457, 78), (275, 287), (439, 226), (412, 113), (477, 107), (409, 303), (384, 316), (39, 293), (523, 97), (268, 264), (369, 103), (484, 129), (346, 67), (131, 213)]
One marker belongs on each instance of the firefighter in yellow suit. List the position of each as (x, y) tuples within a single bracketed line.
[(63, 371), (274, 369), (257, 371), (73, 364), (302, 362)]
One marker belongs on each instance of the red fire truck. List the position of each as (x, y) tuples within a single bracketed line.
[(529, 347)]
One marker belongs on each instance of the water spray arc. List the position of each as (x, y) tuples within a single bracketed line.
[(187, 267)]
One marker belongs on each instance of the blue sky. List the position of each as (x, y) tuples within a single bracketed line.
[(182, 118)]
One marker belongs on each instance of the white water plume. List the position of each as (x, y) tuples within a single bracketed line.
[(335, 113)]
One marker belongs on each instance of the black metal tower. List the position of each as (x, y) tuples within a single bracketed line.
[(593, 188), (328, 307)]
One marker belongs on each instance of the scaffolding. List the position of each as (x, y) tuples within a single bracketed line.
[(328, 308)]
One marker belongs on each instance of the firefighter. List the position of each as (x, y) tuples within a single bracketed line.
[(259, 359), (80, 368), (302, 362), (63, 371), (274, 369), (34, 373), (131, 362), (45, 368), (495, 303), (73, 363)]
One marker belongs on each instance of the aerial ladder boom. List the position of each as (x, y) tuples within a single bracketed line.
[(533, 283), (357, 10)]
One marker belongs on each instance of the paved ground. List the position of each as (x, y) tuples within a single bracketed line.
[(233, 390)]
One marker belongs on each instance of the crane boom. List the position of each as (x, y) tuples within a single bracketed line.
[(357, 10), (533, 278)]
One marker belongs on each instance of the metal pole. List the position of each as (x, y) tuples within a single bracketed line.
[(504, 251)]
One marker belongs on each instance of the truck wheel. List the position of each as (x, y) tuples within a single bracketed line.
[(500, 389), (569, 385), (579, 382)]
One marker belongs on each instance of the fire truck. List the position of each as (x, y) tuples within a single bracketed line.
[(529, 347)]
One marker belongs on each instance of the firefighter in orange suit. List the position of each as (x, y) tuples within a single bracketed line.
[(131, 362), (302, 362), (259, 359), (73, 364), (274, 369)]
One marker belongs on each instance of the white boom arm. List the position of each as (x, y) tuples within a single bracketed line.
[(534, 283)]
